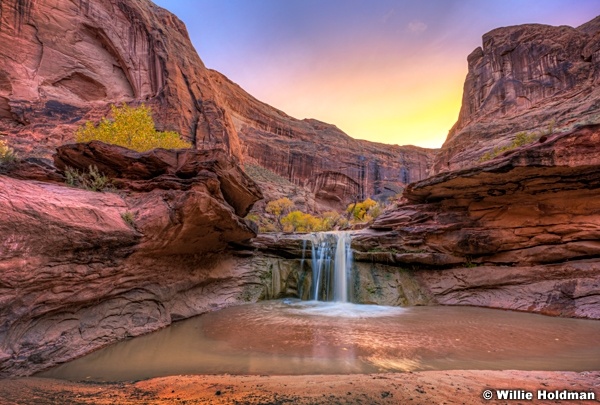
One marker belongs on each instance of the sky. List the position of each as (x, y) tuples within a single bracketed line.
[(388, 71)]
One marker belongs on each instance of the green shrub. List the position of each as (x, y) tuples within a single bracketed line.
[(521, 139), (128, 218), (131, 127), (91, 180), (7, 154)]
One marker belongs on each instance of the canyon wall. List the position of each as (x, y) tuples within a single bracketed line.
[(65, 62), (75, 59), (82, 269), (529, 78), (79, 269), (521, 231), (312, 154)]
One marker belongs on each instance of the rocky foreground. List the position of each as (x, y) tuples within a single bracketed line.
[(81, 269), (440, 387)]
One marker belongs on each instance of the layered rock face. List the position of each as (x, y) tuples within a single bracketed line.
[(64, 62), (533, 78), (519, 232), (335, 167), (75, 59), (82, 269)]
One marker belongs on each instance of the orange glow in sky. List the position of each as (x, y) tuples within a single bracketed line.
[(389, 71), (383, 105)]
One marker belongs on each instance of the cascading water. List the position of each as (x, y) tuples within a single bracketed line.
[(331, 266)]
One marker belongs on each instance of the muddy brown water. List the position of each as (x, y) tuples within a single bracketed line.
[(291, 337)]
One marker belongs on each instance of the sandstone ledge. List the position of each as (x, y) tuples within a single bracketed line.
[(75, 275)]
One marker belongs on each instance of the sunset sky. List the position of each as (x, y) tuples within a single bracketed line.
[(388, 71)]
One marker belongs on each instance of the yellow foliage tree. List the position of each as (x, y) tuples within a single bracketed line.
[(360, 210), (298, 221), (131, 127), (279, 208), (332, 220), (7, 154)]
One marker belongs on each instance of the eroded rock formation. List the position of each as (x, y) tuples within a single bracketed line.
[(335, 167), (70, 68), (64, 62), (519, 232), (81, 269), (533, 78)]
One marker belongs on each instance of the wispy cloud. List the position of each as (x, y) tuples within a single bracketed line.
[(417, 26), (388, 15)]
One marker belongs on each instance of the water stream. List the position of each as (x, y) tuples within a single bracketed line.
[(289, 337), (331, 266), (330, 335)]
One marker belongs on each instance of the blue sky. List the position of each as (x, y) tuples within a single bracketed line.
[(384, 70)]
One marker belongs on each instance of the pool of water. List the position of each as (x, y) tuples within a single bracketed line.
[(300, 337)]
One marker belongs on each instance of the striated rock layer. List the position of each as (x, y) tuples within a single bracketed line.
[(533, 78), (519, 232), (82, 269), (76, 58), (335, 167)]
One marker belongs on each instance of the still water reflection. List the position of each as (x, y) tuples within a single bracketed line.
[(300, 337)]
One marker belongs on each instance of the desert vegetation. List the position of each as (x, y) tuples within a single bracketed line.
[(129, 218), (7, 154), (92, 179), (130, 127), (282, 215), (521, 139)]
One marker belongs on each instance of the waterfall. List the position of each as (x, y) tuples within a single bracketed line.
[(331, 266)]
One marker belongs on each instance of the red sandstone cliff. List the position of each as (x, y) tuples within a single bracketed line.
[(64, 62), (521, 231), (319, 156), (74, 59), (81, 269), (533, 78)]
